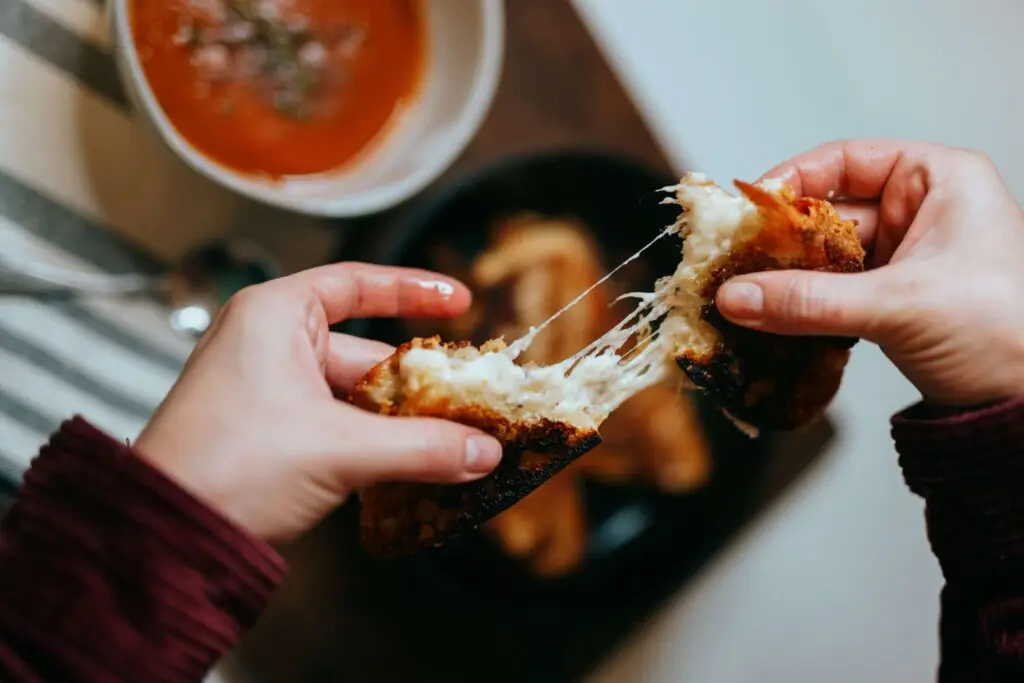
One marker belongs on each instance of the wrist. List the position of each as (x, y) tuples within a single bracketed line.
[(937, 409), (931, 411), (962, 394), (179, 457)]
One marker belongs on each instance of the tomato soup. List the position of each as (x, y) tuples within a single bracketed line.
[(280, 87)]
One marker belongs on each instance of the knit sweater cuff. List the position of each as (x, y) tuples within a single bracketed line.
[(108, 566), (969, 468)]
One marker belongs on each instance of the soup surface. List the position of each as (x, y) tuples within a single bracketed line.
[(280, 87)]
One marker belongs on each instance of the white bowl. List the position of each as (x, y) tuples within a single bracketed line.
[(465, 48)]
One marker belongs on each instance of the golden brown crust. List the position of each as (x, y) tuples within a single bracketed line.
[(401, 518), (767, 380)]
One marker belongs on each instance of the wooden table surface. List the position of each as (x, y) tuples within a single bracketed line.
[(557, 91)]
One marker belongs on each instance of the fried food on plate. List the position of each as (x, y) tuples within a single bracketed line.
[(543, 263), (546, 530), (655, 436), (548, 415)]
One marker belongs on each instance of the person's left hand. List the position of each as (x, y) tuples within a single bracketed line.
[(252, 427)]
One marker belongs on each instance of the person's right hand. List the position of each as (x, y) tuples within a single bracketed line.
[(945, 294)]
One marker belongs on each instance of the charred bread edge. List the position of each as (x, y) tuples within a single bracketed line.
[(474, 502), (533, 452)]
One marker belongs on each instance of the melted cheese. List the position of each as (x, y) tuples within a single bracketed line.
[(584, 389)]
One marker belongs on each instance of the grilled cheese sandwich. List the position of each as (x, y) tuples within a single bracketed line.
[(547, 415)]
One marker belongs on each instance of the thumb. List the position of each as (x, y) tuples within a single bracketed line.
[(805, 302), (389, 449)]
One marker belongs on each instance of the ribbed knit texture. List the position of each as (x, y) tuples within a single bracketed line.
[(111, 572), (969, 468)]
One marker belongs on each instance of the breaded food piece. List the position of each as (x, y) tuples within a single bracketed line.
[(763, 381), (400, 518), (545, 263)]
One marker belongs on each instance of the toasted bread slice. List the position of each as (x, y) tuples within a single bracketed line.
[(762, 381), (400, 518)]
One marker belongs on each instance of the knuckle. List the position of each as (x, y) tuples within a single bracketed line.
[(245, 304), (441, 456), (909, 297), (237, 313), (243, 300), (981, 157), (801, 301), (974, 160)]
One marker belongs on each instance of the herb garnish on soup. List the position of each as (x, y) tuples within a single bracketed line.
[(280, 87)]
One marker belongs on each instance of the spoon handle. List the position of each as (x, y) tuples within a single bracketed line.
[(34, 278)]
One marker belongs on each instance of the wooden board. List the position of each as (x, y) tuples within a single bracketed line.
[(557, 91)]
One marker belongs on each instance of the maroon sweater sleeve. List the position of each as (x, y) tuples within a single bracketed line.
[(110, 572), (969, 468)]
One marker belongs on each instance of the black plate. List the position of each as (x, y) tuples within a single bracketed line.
[(617, 198), (643, 543), (464, 613)]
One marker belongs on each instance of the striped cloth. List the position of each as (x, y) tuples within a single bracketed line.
[(84, 185)]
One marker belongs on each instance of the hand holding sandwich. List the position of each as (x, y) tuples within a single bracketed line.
[(944, 296), (253, 428)]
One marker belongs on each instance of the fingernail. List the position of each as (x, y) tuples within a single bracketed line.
[(482, 454), (445, 289), (741, 299)]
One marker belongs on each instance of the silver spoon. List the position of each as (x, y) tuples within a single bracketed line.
[(195, 288)]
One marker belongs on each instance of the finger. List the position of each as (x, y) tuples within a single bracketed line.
[(390, 449), (856, 169), (349, 358), (806, 302), (866, 215), (362, 290)]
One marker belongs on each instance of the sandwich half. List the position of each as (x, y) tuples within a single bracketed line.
[(546, 416), (760, 380), (539, 439)]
